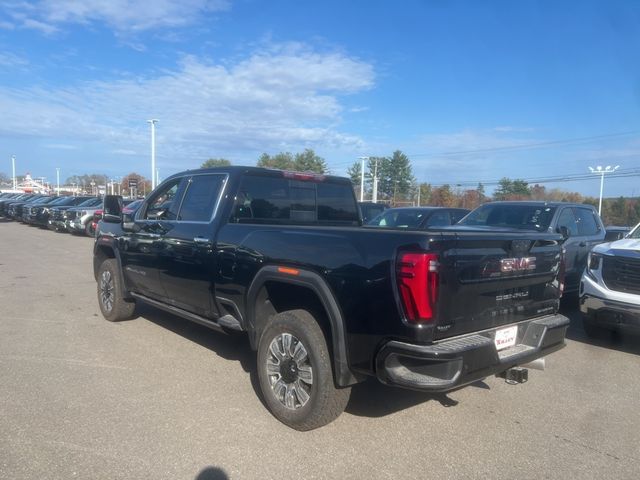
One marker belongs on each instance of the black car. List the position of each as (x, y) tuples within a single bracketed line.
[(28, 210), (40, 216), (616, 233), (578, 223), (371, 210), (6, 200), (421, 218), (14, 209)]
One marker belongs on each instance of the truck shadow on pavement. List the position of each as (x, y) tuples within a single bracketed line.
[(373, 399), (368, 399), (234, 347), (622, 342)]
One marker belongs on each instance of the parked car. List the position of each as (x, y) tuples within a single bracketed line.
[(9, 198), (59, 214), (41, 214), (615, 233), (15, 209), (325, 304), (370, 210), (129, 208), (610, 287), (421, 218), (579, 224), (29, 210)]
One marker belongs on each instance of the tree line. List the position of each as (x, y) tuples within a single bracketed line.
[(398, 186)]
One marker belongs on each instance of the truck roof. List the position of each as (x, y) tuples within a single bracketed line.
[(268, 172)]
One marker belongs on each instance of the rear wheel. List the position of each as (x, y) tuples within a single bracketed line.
[(112, 303), (295, 373)]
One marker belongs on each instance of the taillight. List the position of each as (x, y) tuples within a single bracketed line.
[(561, 271), (417, 276)]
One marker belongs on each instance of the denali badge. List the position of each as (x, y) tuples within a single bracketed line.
[(517, 264)]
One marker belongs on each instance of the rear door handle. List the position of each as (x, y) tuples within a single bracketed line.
[(583, 244)]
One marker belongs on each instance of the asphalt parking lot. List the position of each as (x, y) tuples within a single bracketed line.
[(158, 397)]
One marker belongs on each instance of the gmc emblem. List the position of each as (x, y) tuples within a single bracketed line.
[(517, 264)]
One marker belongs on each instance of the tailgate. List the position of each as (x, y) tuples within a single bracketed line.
[(492, 279)]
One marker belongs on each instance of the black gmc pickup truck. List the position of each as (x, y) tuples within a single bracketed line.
[(326, 302)]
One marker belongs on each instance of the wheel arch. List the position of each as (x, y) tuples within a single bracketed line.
[(104, 251), (260, 307)]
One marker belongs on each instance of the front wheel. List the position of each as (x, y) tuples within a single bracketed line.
[(89, 230), (294, 369), (113, 305)]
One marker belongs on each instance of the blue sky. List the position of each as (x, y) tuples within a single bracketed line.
[(471, 91)]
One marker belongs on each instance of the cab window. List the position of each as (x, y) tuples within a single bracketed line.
[(567, 219), (163, 205), (587, 224), (200, 198)]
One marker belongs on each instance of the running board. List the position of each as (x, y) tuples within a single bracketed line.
[(180, 312)]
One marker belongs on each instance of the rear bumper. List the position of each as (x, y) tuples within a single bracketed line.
[(452, 363), (611, 314)]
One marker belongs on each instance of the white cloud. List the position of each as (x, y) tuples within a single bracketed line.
[(11, 60), (121, 15), (61, 146), (285, 96)]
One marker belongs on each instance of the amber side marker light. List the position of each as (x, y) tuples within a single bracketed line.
[(289, 271)]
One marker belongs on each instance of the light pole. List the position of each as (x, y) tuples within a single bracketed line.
[(602, 172), (13, 167), (375, 183), (153, 152), (362, 177), (58, 180)]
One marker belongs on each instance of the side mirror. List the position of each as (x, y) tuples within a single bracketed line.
[(112, 209)]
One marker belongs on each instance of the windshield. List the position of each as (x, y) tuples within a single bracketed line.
[(400, 218), (90, 202), (522, 217), (635, 233)]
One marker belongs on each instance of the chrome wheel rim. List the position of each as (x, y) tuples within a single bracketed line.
[(106, 290), (289, 371)]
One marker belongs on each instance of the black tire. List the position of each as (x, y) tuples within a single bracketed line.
[(113, 305), (595, 331), (89, 230), (324, 402)]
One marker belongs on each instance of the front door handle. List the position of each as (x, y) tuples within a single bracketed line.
[(583, 244), (202, 240)]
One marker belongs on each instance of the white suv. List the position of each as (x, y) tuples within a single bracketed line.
[(610, 286)]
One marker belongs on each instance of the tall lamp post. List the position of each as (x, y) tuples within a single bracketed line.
[(602, 172), (362, 177), (153, 152), (58, 181), (13, 168)]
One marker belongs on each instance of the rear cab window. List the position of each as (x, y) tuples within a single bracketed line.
[(281, 200)]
